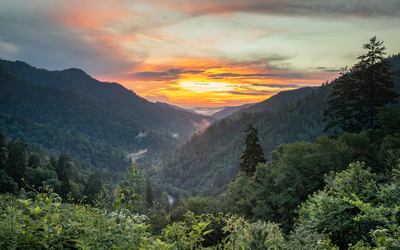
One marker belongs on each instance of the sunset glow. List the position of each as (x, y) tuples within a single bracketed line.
[(198, 53)]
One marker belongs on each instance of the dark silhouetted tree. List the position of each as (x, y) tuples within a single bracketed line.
[(253, 153), (359, 94), (375, 83)]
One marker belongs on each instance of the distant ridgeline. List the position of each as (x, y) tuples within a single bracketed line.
[(97, 123), (209, 161)]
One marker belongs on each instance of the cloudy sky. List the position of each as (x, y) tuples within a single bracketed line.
[(198, 52)]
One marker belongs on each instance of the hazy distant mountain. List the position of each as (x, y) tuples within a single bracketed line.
[(207, 111), (230, 110), (163, 104)]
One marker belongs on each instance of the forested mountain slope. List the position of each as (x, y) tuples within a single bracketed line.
[(112, 97), (209, 161), (61, 120), (277, 101)]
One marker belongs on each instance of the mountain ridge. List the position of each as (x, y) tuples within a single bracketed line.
[(227, 111), (112, 96)]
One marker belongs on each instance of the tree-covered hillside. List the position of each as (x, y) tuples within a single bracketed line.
[(60, 120), (277, 101), (112, 97)]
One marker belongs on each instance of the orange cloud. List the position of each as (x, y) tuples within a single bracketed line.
[(322, 8)]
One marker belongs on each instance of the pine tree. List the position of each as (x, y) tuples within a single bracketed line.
[(375, 83), (359, 93), (253, 153)]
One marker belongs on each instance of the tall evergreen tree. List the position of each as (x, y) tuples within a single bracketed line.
[(375, 83), (253, 153), (359, 93)]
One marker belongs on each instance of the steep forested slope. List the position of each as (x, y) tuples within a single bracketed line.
[(114, 97), (62, 120), (277, 101), (209, 161)]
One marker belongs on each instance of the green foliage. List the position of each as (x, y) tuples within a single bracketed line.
[(34, 160), (158, 221), (64, 173), (199, 205), (258, 235), (7, 184), (188, 234), (295, 172), (94, 186), (178, 210), (337, 209), (16, 160), (126, 196), (45, 223)]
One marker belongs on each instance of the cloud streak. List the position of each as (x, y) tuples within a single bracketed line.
[(253, 93), (276, 85), (257, 76), (171, 74), (321, 8)]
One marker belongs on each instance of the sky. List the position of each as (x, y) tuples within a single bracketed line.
[(190, 53)]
